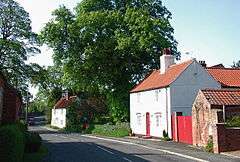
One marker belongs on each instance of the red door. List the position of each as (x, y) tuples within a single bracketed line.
[(147, 124)]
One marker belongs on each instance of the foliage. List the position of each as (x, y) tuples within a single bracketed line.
[(73, 121), (233, 122), (37, 156), (11, 143), (33, 142), (118, 130), (17, 43), (108, 46), (236, 64), (165, 136), (209, 146)]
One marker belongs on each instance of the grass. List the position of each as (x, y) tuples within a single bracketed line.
[(53, 127), (36, 157), (118, 130)]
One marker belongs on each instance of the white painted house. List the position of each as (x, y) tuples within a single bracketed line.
[(59, 111), (171, 89)]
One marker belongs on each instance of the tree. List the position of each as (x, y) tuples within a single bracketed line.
[(17, 43), (236, 64), (110, 45)]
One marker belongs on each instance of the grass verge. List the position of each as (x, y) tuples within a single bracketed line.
[(118, 130), (37, 156)]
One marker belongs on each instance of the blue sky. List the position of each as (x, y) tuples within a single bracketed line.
[(208, 29)]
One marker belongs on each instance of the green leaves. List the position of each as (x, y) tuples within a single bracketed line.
[(109, 46), (17, 43)]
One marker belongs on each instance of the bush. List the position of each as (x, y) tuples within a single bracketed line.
[(233, 122), (11, 143), (209, 146), (118, 130), (165, 136), (33, 142)]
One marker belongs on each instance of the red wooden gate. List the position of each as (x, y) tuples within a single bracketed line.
[(182, 129), (147, 124)]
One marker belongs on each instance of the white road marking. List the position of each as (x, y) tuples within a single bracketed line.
[(150, 148), (105, 150), (127, 159)]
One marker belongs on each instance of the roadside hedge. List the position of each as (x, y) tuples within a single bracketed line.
[(12, 143), (33, 142)]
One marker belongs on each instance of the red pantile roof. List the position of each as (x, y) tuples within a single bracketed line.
[(64, 103), (222, 96), (156, 80), (228, 77)]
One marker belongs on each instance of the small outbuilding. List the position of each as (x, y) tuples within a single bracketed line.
[(211, 109)]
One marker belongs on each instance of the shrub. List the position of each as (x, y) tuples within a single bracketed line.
[(233, 122), (209, 146), (118, 130), (11, 143), (33, 142), (165, 136)]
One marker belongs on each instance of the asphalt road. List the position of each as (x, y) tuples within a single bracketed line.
[(72, 148)]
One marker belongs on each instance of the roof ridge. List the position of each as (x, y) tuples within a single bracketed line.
[(219, 68), (222, 89)]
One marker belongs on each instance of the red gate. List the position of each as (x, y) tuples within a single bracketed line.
[(182, 129), (147, 124)]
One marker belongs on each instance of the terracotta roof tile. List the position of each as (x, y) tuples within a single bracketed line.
[(64, 103), (156, 80), (222, 96), (229, 77)]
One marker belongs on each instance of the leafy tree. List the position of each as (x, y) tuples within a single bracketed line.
[(236, 64), (109, 45), (17, 43)]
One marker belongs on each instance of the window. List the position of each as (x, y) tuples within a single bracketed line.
[(61, 111), (156, 95), (139, 118), (138, 97), (54, 111), (157, 116), (61, 122)]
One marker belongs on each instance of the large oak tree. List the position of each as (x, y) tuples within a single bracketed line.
[(109, 45)]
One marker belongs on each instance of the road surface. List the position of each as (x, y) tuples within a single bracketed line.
[(76, 148)]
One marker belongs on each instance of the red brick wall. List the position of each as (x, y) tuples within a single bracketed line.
[(226, 139), (11, 105)]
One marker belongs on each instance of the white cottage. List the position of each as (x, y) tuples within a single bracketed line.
[(171, 89), (60, 110)]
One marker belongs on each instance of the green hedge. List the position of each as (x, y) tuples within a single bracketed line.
[(12, 143), (33, 142), (118, 130)]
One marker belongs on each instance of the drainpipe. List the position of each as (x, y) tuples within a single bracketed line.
[(167, 109), (224, 114)]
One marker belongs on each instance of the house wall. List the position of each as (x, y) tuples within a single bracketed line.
[(58, 118), (185, 88), (154, 102)]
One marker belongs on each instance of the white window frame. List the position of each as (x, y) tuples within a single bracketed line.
[(158, 118), (139, 118), (138, 97), (156, 95)]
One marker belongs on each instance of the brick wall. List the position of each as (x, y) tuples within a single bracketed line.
[(226, 139)]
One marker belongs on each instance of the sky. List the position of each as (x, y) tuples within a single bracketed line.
[(207, 29)]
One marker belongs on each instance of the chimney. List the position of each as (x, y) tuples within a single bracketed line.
[(65, 95), (203, 63), (166, 60)]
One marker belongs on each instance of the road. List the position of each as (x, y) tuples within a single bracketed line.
[(77, 148)]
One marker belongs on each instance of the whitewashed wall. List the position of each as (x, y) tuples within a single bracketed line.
[(58, 118), (154, 102), (185, 88)]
